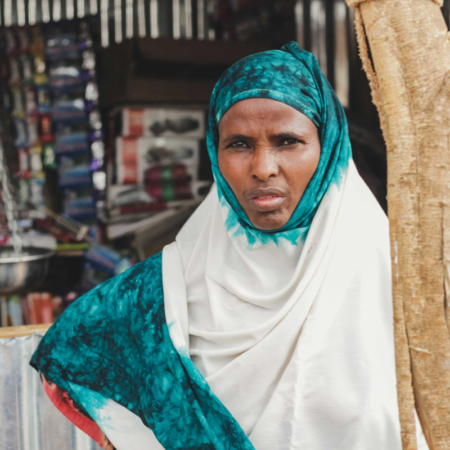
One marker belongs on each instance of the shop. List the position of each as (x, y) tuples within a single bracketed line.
[(103, 119)]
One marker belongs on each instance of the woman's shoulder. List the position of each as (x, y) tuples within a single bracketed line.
[(115, 306), (364, 224), (143, 275), (143, 278), (117, 298), (106, 329)]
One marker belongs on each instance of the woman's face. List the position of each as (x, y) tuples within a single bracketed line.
[(268, 153)]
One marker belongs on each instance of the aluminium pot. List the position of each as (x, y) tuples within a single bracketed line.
[(22, 272)]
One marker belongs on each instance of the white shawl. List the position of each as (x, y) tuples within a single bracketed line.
[(295, 340)]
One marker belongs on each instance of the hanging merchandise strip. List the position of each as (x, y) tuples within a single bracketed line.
[(52, 120), (179, 19), (147, 17), (9, 204)]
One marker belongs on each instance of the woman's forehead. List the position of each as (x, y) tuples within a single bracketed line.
[(271, 113)]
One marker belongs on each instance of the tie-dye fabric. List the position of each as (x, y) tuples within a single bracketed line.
[(114, 341), (292, 76)]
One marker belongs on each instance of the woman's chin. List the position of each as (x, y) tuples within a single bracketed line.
[(268, 220)]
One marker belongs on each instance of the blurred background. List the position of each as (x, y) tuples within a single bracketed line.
[(103, 118)]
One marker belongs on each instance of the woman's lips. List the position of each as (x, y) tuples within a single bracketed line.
[(267, 203), (268, 199)]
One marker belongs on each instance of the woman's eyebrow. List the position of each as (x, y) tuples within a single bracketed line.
[(236, 137), (286, 135)]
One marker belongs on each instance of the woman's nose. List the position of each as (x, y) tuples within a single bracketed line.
[(264, 164)]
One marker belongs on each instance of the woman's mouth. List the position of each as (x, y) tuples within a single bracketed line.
[(266, 199), (267, 203)]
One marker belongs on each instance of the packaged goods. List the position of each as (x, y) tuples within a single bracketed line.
[(69, 108), (79, 203), (135, 156), (77, 178), (14, 308), (36, 190), (127, 195), (107, 260), (62, 45), (169, 191), (163, 122), (82, 209), (72, 139)]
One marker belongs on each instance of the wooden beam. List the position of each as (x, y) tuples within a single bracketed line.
[(410, 82), (26, 330)]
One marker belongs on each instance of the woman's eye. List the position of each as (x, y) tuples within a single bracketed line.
[(289, 142), (239, 144)]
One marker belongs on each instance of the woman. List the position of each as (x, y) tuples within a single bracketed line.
[(268, 323)]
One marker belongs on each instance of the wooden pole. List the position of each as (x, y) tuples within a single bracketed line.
[(24, 330), (410, 82)]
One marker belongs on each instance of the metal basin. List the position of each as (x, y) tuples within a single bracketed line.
[(23, 272)]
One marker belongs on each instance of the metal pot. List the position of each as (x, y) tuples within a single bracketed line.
[(22, 272)]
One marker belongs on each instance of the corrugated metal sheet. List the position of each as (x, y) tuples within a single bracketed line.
[(129, 18), (28, 419)]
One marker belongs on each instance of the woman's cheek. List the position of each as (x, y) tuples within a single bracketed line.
[(303, 163), (232, 168)]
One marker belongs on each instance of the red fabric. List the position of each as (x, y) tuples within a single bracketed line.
[(67, 407)]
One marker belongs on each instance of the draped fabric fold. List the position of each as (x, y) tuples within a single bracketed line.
[(308, 362), (112, 354)]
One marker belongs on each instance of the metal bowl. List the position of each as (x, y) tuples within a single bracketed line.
[(22, 272)]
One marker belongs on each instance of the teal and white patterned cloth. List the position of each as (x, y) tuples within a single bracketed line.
[(291, 76)]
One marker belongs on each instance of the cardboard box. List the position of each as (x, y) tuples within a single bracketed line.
[(162, 122), (134, 156)]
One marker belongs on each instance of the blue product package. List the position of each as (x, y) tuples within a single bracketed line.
[(80, 209), (75, 178), (71, 195), (69, 111), (72, 143), (62, 46), (107, 260), (73, 161), (21, 133), (15, 310), (65, 77)]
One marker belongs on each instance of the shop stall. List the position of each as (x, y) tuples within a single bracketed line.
[(103, 118)]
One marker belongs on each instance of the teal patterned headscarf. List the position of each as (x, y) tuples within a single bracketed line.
[(291, 76)]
